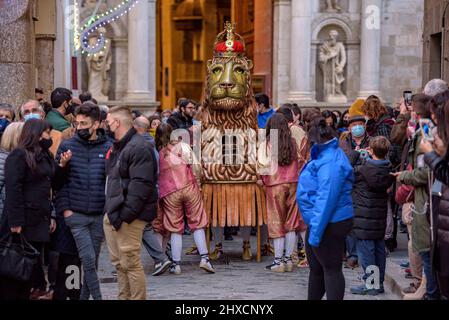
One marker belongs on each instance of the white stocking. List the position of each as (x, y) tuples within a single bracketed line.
[(176, 246), (278, 247), (290, 243), (200, 240)]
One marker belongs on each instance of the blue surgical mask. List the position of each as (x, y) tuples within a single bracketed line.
[(3, 124), (32, 116), (358, 131), (164, 119)]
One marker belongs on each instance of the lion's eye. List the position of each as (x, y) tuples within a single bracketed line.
[(216, 70), (239, 70)]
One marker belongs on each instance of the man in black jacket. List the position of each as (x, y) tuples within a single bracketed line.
[(131, 201), (183, 119), (81, 200), (370, 197)]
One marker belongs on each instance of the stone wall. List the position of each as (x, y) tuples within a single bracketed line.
[(16, 52), (433, 40), (401, 51)]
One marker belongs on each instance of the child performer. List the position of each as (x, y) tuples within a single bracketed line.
[(179, 192), (284, 219)]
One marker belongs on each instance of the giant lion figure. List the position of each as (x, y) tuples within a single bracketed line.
[(229, 138)]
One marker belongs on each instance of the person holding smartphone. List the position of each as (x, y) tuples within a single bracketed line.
[(418, 177)]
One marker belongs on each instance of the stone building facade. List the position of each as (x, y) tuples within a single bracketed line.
[(383, 41), (436, 40)]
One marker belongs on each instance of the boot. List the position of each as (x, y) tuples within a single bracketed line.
[(419, 293), (246, 256), (217, 253)]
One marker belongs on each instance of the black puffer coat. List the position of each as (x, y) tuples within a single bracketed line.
[(131, 187), (370, 198)]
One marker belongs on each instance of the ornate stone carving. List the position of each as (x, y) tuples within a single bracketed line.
[(98, 66), (333, 6), (332, 60)]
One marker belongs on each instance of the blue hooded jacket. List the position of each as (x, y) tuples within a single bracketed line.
[(324, 189)]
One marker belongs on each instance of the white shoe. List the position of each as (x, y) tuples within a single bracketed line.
[(175, 269), (206, 265)]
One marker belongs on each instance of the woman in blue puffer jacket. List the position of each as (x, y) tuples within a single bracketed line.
[(324, 199)]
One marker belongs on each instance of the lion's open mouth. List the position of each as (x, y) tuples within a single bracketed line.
[(227, 104)]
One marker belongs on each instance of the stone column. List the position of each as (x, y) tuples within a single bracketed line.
[(281, 50), (16, 52), (142, 52), (370, 48), (301, 38)]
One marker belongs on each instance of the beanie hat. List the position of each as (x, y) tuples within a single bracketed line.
[(356, 108)]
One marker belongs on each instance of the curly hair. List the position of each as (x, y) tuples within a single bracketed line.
[(374, 108)]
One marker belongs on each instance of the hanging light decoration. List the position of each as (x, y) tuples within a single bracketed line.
[(100, 21)]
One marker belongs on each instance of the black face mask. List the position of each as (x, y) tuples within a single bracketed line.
[(84, 134), (344, 124), (46, 143)]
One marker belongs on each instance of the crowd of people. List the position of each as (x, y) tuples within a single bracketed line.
[(74, 173)]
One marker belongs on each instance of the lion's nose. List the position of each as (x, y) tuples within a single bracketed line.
[(227, 85)]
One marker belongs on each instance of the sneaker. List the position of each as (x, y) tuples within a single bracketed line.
[(363, 290), (217, 253), (246, 256), (206, 265), (175, 268), (303, 264), (288, 264), (351, 263), (161, 267), (411, 288), (47, 296), (36, 294), (276, 266)]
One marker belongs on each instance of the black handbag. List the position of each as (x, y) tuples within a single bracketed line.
[(17, 257)]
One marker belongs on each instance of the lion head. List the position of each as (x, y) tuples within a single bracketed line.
[(228, 83)]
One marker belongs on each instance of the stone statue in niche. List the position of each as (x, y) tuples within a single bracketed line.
[(98, 66), (332, 60), (333, 6)]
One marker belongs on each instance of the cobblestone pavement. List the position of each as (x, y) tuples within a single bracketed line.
[(234, 279)]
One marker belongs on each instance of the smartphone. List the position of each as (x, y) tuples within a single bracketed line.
[(426, 126), (408, 98)]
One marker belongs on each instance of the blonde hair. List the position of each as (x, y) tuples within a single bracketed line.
[(11, 135)]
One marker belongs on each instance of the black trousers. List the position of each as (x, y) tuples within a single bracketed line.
[(326, 262), (61, 292), (443, 283), (38, 276)]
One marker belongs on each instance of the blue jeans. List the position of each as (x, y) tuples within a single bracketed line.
[(431, 285), (372, 253), (351, 247), (152, 245), (88, 234)]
